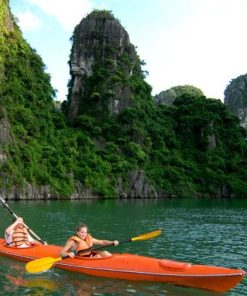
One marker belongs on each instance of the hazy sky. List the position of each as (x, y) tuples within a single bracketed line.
[(197, 42)]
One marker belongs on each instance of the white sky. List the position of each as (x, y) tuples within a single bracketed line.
[(197, 42)]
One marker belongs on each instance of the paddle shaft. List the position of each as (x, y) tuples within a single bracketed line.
[(5, 205), (94, 249), (144, 236), (102, 247)]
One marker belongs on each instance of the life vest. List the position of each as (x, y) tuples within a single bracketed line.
[(83, 244), (20, 237)]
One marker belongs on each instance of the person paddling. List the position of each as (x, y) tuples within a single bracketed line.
[(17, 235), (83, 241)]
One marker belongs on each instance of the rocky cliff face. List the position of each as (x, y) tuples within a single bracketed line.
[(106, 78), (101, 53), (138, 187), (236, 98)]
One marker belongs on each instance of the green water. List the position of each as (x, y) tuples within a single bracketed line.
[(198, 231)]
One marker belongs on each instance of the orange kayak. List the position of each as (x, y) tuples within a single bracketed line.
[(135, 267)]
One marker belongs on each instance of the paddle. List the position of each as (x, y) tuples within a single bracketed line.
[(44, 264), (5, 205)]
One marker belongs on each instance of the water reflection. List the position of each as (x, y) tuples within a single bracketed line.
[(87, 286)]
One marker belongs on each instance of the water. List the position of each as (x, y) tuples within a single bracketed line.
[(198, 231)]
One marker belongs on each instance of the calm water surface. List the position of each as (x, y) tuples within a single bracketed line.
[(198, 231)]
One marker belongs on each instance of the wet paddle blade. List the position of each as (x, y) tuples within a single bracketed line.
[(41, 265), (147, 236)]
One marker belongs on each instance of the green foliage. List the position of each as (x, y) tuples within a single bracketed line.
[(194, 147), (169, 96), (105, 14)]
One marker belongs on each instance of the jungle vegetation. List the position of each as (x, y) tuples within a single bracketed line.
[(194, 147)]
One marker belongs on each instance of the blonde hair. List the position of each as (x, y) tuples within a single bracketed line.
[(80, 226)]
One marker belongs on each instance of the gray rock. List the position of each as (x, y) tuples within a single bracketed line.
[(101, 41), (236, 98)]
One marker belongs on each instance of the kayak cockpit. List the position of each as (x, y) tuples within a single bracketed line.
[(174, 265), (6, 245)]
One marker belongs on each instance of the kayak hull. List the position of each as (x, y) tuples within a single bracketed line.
[(135, 267)]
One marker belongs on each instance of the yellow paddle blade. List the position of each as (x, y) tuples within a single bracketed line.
[(41, 265), (146, 236)]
